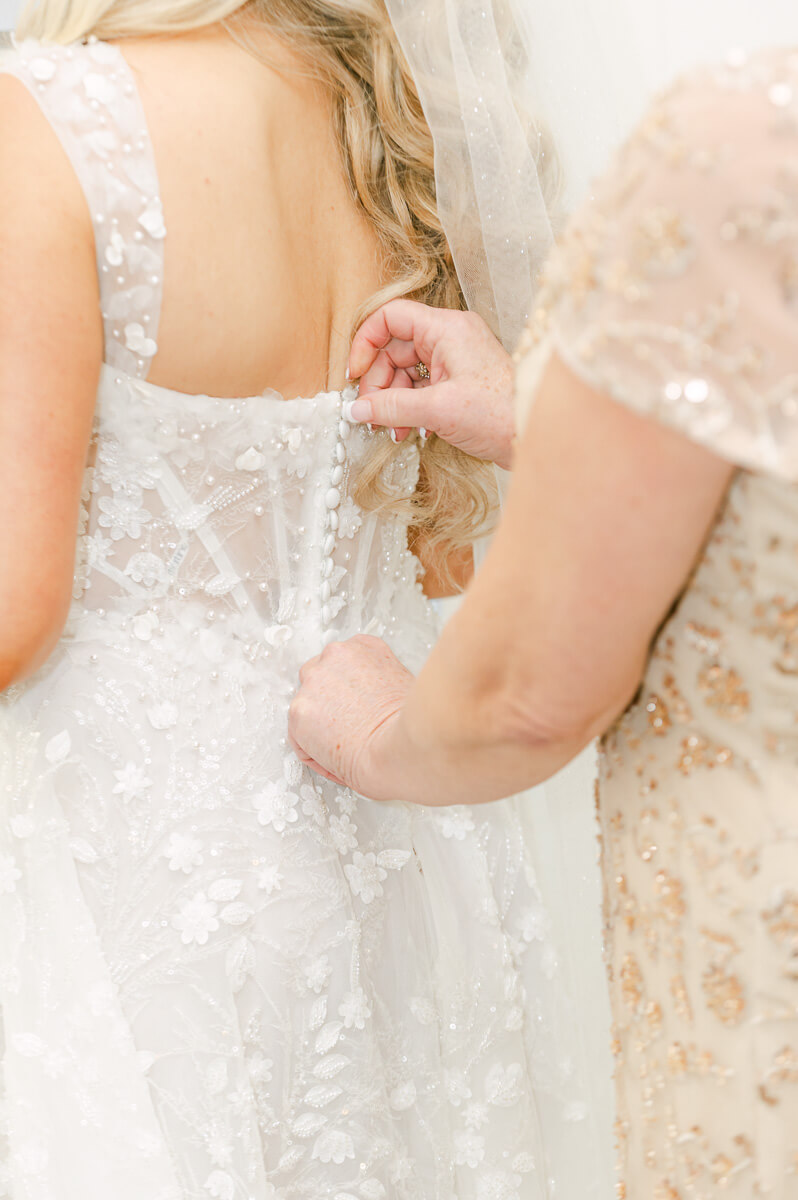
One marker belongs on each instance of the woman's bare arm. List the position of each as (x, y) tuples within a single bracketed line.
[(606, 515), (50, 356)]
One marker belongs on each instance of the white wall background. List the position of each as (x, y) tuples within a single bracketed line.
[(596, 63), (8, 13)]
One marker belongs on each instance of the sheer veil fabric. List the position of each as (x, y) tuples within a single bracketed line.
[(470, 65), (500, 196)]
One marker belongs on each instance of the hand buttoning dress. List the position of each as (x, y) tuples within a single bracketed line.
[(219, 978)]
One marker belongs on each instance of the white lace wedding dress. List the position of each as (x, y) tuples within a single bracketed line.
[(221, 979)]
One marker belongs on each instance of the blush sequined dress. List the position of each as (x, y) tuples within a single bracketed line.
[(676, 293), (221, 979)]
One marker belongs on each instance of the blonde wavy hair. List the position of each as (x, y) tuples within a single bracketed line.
[(388, 156)]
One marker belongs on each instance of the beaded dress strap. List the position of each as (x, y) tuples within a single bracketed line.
[(88, 95)]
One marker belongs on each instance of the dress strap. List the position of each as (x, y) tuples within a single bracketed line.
[(88, 94)]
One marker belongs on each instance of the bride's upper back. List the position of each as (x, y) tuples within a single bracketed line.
[(268, 256)]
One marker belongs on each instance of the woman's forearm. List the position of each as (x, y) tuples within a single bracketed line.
[(443, 763), (473, 714)]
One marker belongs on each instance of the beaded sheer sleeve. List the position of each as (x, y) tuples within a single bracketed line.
[(676, 290)]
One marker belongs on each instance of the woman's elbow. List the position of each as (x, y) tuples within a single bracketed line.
[(542, 720), (24, 651), (16, 668)]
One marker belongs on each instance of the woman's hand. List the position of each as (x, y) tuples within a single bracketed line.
[(344, 721), (467, 399)]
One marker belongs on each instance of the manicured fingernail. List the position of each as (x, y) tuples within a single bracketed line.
[(394, 438), (361, 411), (370, 427), (348, 376), (346, 410), (422, 433)]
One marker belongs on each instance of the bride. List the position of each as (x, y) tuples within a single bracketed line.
[(219, 977)]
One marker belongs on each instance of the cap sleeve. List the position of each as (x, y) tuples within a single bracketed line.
[(675, 290)]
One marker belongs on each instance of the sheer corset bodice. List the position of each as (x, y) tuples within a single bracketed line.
[(236, 518)]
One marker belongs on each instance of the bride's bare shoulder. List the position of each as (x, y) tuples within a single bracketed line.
[(33, 165), (251, 63)]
